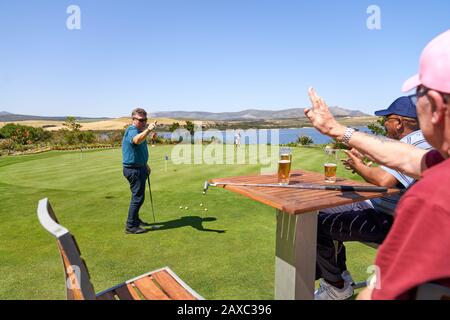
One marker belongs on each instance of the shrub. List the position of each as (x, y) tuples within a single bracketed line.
[(339, 145), (6, 144), (24, 135), (305, 140), (377, 127)]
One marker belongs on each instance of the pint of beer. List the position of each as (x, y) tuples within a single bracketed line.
[(330, 172), (287, 156), (284, 170)]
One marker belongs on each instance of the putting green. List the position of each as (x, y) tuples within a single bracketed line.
[(226, 252)]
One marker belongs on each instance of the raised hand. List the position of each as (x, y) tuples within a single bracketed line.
[(153, 125), (321, 117)]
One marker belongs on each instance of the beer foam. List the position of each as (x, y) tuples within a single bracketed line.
[(330, 164)]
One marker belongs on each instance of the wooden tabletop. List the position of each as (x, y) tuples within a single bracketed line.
[(297, 201)]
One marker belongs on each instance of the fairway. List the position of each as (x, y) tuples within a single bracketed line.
[(227, 252)]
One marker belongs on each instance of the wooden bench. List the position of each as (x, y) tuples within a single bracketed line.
[(161, 284)]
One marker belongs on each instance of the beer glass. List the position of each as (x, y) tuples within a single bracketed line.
[(330, 172), (330, 165), (284, 167), (286, 154)]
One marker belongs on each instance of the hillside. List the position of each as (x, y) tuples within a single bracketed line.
[(253, 114), (288, 118), (104, 125)]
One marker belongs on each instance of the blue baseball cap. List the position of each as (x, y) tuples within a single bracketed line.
[(403, 106)]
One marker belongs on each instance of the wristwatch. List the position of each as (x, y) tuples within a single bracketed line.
[(347, 135)]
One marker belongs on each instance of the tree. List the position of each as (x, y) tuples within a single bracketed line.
[(71, 131), (71, 124), (377, 127), (305, 140), (174, 126), (189, 126)]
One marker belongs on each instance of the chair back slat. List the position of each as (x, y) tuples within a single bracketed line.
[(78, 283)]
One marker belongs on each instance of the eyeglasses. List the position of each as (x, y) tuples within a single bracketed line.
[(420, 92), (391, 118), (141, 120)]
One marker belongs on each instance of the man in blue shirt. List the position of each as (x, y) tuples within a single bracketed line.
[(135, 167)]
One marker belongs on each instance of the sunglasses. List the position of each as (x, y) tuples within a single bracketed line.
[(391, 118), (141, 120), (420, 92)]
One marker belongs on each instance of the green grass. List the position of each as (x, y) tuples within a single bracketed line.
[(91, 197)]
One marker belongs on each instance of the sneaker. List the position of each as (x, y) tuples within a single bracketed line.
[(135, 230), (327, 292), (347, 277)]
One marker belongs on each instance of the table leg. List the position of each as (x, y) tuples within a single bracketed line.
[(295, 261)]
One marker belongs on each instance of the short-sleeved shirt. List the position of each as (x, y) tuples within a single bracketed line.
[(133, 155), (416, 250), (387, 204)]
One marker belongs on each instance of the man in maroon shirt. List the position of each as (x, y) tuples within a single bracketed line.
[(416, 250)]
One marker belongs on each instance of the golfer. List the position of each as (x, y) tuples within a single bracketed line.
[(135, 167)]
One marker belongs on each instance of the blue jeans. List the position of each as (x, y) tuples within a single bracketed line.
[(137, 178)]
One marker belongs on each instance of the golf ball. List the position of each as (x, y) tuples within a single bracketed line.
[(186, 208), (201, 204), (181, 207), (206, 209)]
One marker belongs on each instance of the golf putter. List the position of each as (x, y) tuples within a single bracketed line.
[(298, 186), (154, 227)]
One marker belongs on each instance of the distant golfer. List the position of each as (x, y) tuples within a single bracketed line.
[(237, 139), (135, 167)]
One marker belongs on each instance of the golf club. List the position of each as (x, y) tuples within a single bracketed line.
[(154, 227), (298, 186)]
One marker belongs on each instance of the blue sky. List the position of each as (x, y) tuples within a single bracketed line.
[(208, 55)]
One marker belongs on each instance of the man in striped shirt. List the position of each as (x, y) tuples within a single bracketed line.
[(367, 221)]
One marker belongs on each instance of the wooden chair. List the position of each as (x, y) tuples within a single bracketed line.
[(161, 284)]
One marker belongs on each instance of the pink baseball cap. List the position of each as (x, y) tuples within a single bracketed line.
[(434, 70)]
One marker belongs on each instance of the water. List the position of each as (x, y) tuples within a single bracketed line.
[(258, 136)]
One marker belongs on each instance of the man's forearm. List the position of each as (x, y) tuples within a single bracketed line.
[(388, 152), (138, 139), (376, 175), (391, 153), (367, 173)]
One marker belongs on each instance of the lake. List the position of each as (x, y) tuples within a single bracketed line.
[(253, 136)]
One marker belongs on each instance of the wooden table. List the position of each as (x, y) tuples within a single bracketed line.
[(296, 234)]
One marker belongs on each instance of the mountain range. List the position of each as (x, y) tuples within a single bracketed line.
[(252, 114), (11, 117), (246, 115)]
